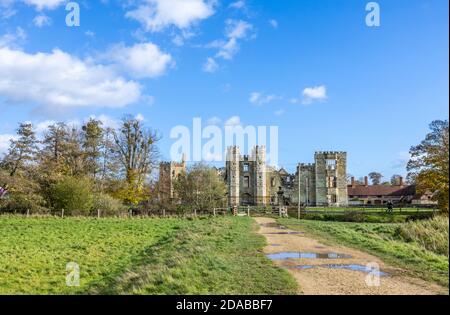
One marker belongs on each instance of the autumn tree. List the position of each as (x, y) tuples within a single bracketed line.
[(375, 177), (22, 152), (54, 146), (201, 187), (73, 155), (429, 164), (137, 152)]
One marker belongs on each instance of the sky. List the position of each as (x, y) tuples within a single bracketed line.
[(313, 68)]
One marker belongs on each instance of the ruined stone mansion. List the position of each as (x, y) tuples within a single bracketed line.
[(251, 181)]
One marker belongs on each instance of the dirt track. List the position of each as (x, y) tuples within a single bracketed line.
[(319, 279)]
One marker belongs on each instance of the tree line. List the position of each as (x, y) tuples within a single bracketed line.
[(83, 170), (78, 169)]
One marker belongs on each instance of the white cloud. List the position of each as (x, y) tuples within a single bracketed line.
[(59, 80), (107, 121), (141, 61), (156, 15), (234, 31), (210, 66), (42, 126), (402, 160), (279, 112), (90, 33), (312, 94), (5, 141), (12, 39), (233, 121), (273, 23), (6, 9), (139, 117), (258, 98), (237, 4), (42, 20), (44, 4)]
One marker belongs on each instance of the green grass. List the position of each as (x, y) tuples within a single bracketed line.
[(214, 256), (127, 256), (384, 241)]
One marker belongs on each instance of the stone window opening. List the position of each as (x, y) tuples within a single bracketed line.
[(246, 182), (246, 167), (332, 182), (331, 165)]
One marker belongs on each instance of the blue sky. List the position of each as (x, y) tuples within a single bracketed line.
[(312, 68)]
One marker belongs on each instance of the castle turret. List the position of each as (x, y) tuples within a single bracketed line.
[(233, 175), (331, 178), (259, 158)]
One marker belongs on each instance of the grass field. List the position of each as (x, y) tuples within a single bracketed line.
[(424, 255), (137, 256)]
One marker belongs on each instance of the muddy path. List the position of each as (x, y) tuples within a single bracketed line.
[(336, 270)]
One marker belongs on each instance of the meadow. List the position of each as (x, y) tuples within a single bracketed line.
[(137, 256), (420, 247)]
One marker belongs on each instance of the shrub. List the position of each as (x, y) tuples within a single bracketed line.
[(22, 203), (107, 204), (430, 234), (23, 194), (73, 195)]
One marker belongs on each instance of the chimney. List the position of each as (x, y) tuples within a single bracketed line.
[(353, 182), (400, 182), (366, 181)]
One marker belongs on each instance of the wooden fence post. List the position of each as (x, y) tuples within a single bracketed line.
[(62, 213), (214, 211), (28, 213), (248, 211), (98, 214), (164, 213)]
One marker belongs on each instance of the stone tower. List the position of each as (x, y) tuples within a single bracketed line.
[(233, 175), (260, 174), (331, 179), (168, 173), (306, 178)]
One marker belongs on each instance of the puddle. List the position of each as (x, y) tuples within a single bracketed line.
[(273, 225), (357, 268), (299, 255), (275, 245), (285, 233), (352, 267)]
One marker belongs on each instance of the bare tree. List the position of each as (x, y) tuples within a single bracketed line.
[(136, 150)]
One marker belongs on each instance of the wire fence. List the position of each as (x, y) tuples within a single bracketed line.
[(251, 211)]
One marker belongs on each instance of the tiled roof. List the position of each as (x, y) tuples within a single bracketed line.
[(381, 190)]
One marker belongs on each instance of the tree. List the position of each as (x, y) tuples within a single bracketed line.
[(375, 177), (73, 156), (429, 164), (137, 152), (22, 151), (54, 145), (109, 164), (23, 194), (92, 134), (201, 188), (395, 180), (72, 195)]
